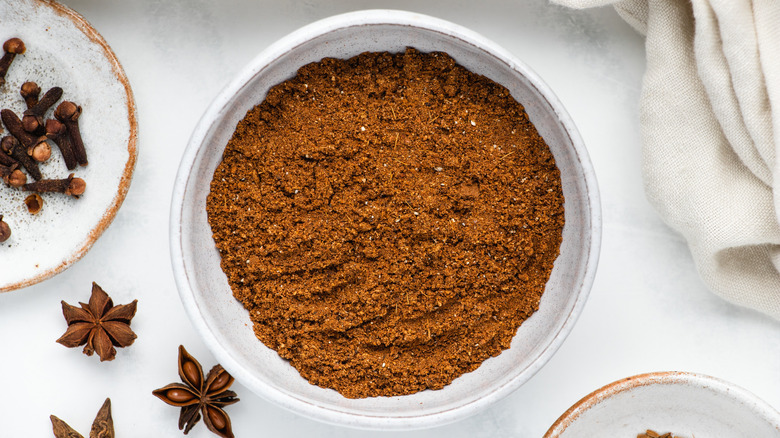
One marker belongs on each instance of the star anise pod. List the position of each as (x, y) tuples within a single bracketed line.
[(199, 395), (99, 326), (102, 427)]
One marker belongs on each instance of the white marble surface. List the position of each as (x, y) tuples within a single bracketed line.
[(648, 310)]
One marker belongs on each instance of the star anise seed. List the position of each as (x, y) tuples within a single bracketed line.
[(199, 396), (99, 326), (102, 427)]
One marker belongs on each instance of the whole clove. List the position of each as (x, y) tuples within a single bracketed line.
[(47, 101), (5, 230), (57, 132), (34, 203), (30, 92), (70, 186), (12, 47), (68, 113), (16, 128), (32, 120), (12, 176), (12, 147)]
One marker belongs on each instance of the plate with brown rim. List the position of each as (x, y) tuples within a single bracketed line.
[(686, 405), (63, 50)]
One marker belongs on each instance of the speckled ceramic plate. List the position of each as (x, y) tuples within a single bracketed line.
[(64, 50), (685, 404)]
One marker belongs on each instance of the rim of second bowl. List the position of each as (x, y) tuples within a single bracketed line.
[(271, 53), (664, 378)]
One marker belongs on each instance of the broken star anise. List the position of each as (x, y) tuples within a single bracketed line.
[(102, 427), (199, 395), (99, 326)]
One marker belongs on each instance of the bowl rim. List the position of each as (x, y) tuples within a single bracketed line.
[(720, 386), (272, 53)]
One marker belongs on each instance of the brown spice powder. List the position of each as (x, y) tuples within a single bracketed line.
[(389, 221), (653, 434)]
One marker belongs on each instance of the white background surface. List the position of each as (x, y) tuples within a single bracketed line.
[(647, 311)]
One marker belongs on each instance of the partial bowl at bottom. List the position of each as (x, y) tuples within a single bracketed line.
[(687, 405)]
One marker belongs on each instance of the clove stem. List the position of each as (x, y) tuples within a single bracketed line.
[(69, 113), (70, 186), (58, 133)]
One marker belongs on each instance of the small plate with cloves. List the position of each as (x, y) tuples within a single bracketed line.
[(67, 143)]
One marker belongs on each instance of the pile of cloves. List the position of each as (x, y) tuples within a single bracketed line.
[(28, 142)]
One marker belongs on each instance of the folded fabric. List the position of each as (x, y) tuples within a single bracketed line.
[(710, 120)]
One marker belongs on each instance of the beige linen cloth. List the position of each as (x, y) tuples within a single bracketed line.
[(710, 120)]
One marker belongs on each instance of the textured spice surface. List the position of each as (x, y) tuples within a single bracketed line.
[(389, 221)]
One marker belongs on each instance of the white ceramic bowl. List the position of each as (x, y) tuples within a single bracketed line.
[(225, 325), (688, 405)]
